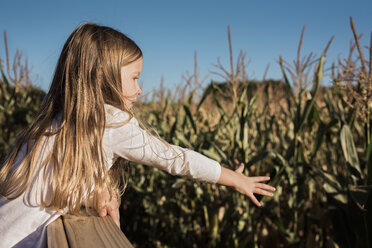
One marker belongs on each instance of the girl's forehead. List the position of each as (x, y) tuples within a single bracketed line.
[(134, 68)]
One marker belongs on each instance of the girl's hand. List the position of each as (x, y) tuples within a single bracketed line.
[(245, 185), (249, 185), (109, 207)]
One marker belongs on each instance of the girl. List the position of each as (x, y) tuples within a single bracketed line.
[(62, 161)]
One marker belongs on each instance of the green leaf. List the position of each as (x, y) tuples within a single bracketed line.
[(206, 93), (369, 150), (350, 153), (211, 153), (360, 194), (332, 186), (186, 106), (310, 103), (286, 81), (179, 182), (220, 109)]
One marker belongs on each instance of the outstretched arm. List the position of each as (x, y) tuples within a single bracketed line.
[(132, 143), (245, 185)]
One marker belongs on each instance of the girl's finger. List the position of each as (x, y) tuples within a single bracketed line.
[(254, 200), (265, 186), (262, 192), (114, 213), (103, 212), (259, 179), (240, 169)]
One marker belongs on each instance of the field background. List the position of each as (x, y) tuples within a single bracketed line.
[(311, 132)]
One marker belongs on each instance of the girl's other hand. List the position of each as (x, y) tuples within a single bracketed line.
[(109, 207), (250, 185)]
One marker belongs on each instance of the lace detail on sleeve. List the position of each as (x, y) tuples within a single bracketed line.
[(133, 143)]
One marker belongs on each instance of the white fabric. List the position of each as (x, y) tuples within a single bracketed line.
[(23, 224)]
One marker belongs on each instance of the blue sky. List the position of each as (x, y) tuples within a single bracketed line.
[(169, 32)]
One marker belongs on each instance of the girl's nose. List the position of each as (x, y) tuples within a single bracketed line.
[(139, 92)]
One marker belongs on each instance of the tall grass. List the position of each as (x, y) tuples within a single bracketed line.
[(19, 99), (297, 131)]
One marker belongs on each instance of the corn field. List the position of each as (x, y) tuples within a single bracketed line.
[(314, 141)]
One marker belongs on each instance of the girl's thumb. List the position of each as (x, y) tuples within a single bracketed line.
[(241, 168)]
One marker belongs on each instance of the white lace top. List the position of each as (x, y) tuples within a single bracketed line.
[(24, 225)]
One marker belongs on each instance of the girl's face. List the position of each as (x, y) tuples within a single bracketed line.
[(129, 81)]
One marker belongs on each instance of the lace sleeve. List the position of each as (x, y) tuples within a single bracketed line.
[(133, 143)]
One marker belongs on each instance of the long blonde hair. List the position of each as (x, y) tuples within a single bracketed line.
[(86, 77)]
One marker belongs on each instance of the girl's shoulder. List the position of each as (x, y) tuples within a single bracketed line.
[(118, 116)]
